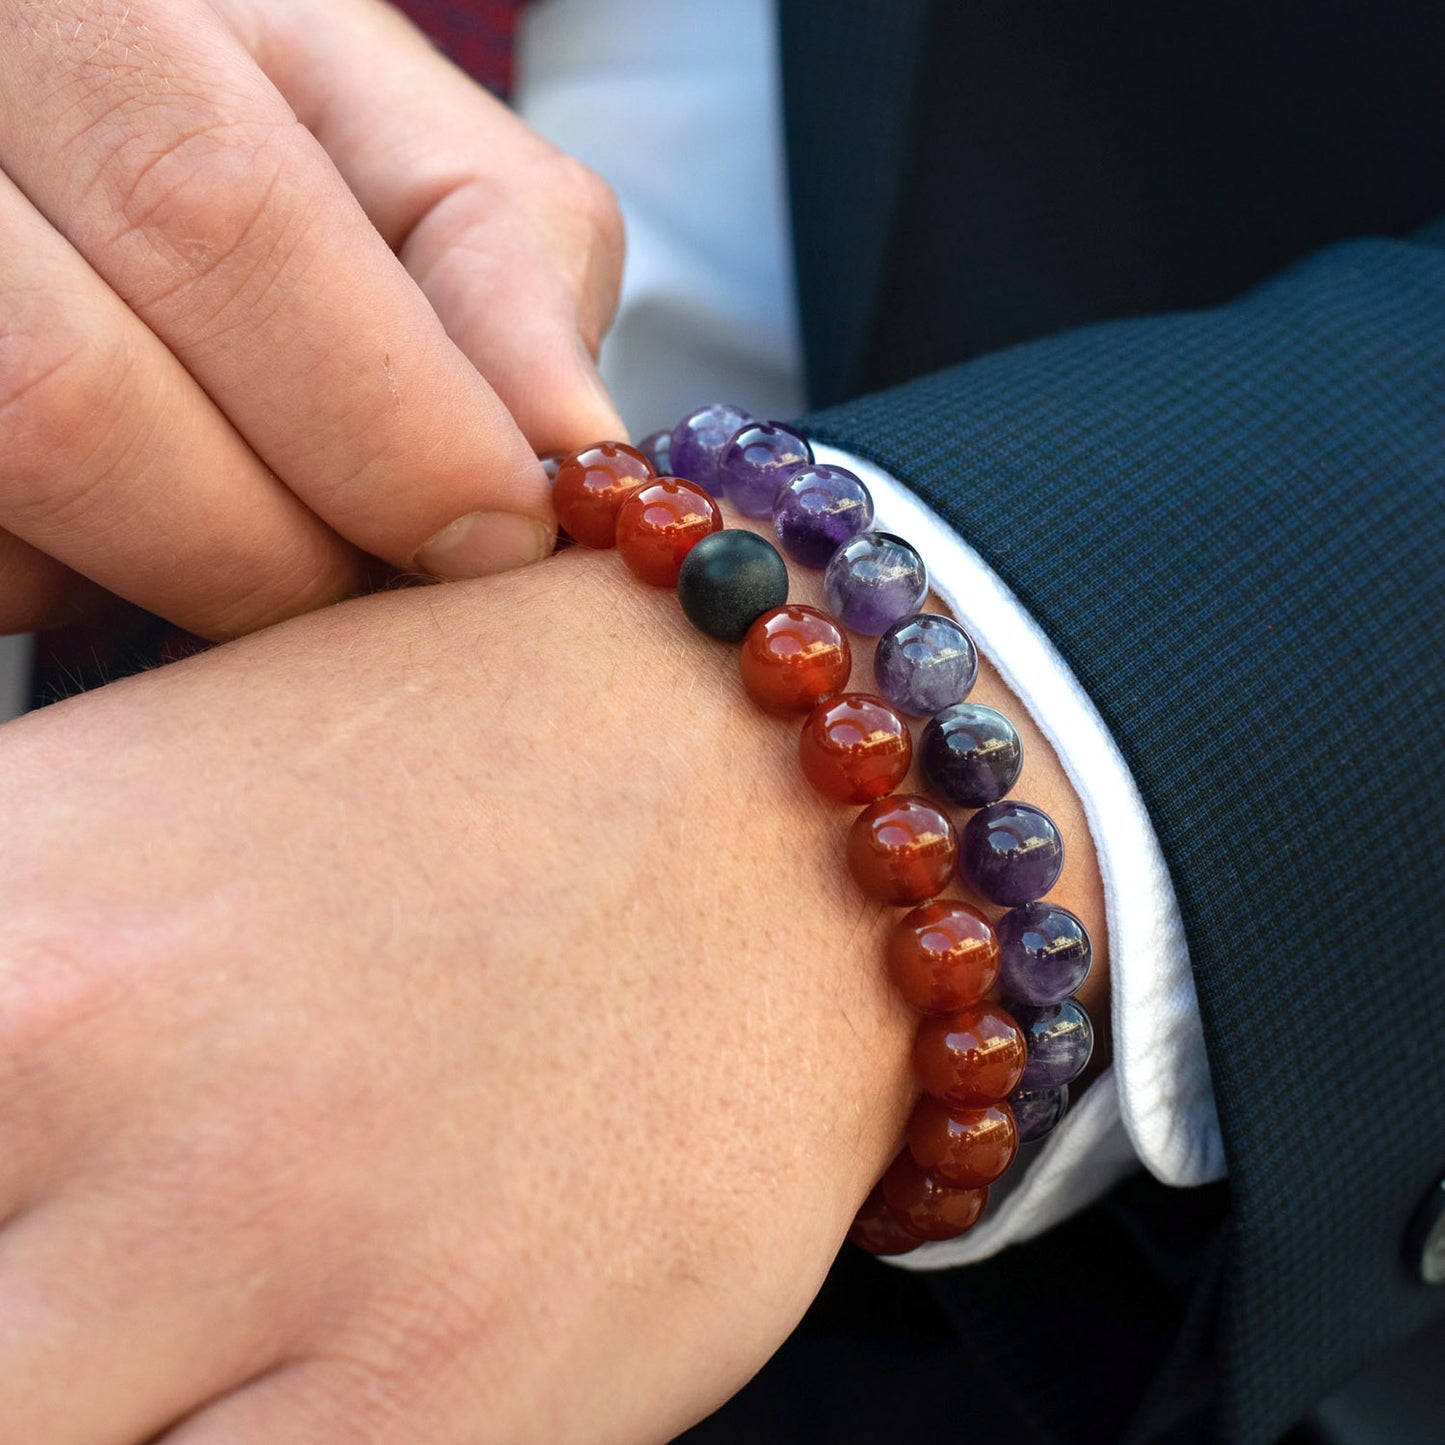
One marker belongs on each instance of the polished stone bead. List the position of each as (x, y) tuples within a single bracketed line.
[(925, 663), (818, 509), (1011, 853), (971, 754), (965, 1147), (1060, 1040), (855, 748), (591, 486), (876, 1230), (975, 1056), (943, 956), (902, 849), (756, 462), (698, 440), (1044, 953), (657, 448), (873, 581), (793, 658), (1038, 1111), (660, 523), (729, 580), (927, 1207)]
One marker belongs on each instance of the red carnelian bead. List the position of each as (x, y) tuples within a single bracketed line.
[(943, 956), (924, 1205), (590, 486), (975, 1056), (792, 658), (902, 849), (659, 523), (876, 1230), (964, 1147), (855, 748)]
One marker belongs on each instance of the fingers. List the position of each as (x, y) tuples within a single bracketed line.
[(178, 171), (37, 592)]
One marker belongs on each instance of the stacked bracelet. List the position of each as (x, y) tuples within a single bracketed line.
[(1002, 1034)]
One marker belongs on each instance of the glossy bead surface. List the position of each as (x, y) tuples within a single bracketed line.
[(1038, 1111), (855, 748), (1060, 1040), (698, 440), (971, 754), (1011, 853), (817, 510), (876, 1230), (874, 580), (924, 1205), (591, 486), (728, 580), (659, 523), (965, 1147), (943, 956), (793, 658), (902, 849), (1044, 953), (756, 462), (925, 663), (657, 448), (975, 1056)]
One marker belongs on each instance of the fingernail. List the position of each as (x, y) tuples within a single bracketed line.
[(483, 544)]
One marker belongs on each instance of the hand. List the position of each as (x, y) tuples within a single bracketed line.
[(279, 287), (443, 1018)]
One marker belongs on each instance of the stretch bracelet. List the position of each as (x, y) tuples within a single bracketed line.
[(1001, 1034)]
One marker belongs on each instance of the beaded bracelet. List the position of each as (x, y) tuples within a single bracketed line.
[(1002, 1035)]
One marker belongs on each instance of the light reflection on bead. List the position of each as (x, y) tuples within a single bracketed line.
[(873, 581), (1038, 1111), (965, 1147), (1060, 1041), (757, 461), (975, 1056), (1011, 853), (818, 509), (659, 523), (1044, 953), (855, 748), (902, 849), (943, 956), (793, 658), (698, 440), (924, 1205), (925, 663), (591, 486)]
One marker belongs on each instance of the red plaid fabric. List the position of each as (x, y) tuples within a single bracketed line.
[(478, 34)]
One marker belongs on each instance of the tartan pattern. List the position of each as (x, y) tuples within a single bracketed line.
[(477, 34)]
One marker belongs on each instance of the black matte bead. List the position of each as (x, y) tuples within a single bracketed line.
[(729, 580)]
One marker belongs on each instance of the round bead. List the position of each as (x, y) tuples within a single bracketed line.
[(792, 658), (657, 448), (855, 748), (1037, 1111), (943, 956), (975, 1056), (729, 580), (591, 486), (1044, 953), (873, 581), (964, 1147), (698, 440), (902, 849), (1060, 1040), (925, 663), (971, 754), (756, 462), (876, 1230), (659, 523), (1011, 853), (817, 510), (924, 1205)]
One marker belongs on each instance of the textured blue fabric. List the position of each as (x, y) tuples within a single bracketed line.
[(1231, 522)]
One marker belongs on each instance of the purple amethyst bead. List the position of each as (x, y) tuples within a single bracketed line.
[(873, 581), (818, 509), (1044, 953), (1011, 853), (757, 461), (970, 754), (1060, 1038), (924, 664), (657, 448), (1037, 1111), (698, 440)]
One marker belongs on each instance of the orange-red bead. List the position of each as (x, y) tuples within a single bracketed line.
[(590, 488), (659, 523), (793, 658), (975, 1056), (943, 956), (924, 1205), (855, 748), (965, 1147), (876, 1230), (902, 849)]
